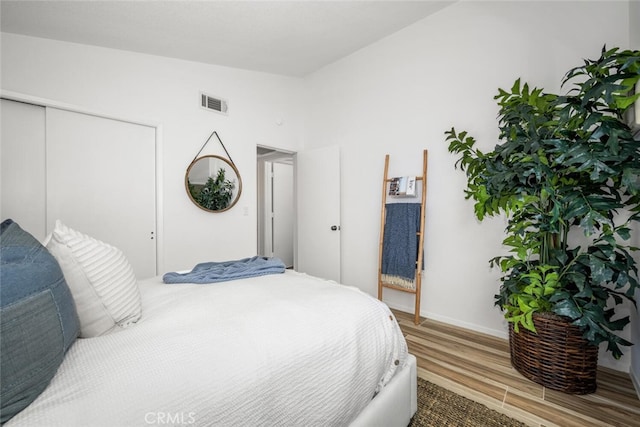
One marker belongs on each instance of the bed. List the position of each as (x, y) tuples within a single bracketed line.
[(282, 349)]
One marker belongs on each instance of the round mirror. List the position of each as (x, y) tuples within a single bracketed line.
[(213, 183)]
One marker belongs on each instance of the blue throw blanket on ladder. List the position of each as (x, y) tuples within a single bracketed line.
[(212, 272), (400, 244)]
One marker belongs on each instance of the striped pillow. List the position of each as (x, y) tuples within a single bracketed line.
[(100, 278)]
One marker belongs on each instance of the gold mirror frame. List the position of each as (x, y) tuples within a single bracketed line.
[(208, 174)]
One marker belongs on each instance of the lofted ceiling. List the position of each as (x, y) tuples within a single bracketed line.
[(291, 38)]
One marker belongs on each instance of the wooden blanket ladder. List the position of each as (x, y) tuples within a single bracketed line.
[(420, 234)]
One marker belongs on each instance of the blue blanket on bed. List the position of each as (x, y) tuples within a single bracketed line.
[(212, 272)]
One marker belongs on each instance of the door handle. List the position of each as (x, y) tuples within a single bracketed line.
[(335, 227)]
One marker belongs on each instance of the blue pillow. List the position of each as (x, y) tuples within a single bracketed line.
[(38, 318)]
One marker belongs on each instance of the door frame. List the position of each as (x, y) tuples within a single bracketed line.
[(269, 154), (273, 155), (43, 102)]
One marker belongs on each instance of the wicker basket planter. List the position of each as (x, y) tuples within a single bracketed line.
[(557, 357)]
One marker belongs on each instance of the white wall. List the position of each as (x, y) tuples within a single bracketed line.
[(166, 91), (402, 93), (634, 24)]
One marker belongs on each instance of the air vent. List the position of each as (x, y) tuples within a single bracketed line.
[(212, 103)]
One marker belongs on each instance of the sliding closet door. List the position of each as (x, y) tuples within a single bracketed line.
[(101, 181), (22, 166)]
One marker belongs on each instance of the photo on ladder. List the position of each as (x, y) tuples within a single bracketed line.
[(403, 186)]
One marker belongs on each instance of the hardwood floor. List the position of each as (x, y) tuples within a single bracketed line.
[(477, 366)]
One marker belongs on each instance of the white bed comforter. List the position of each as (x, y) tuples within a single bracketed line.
[(279, 350)]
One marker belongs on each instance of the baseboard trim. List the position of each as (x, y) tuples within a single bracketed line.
[(444, 319)]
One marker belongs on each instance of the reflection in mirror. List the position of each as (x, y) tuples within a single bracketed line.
[(213, 183)]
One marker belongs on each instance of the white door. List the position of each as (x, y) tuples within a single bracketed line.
[(101, 181), (318, 212), (22, 166)]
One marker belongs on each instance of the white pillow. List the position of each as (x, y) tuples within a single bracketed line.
[(101, 280)]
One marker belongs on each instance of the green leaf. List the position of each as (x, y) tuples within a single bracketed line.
[(516, 87), (624, 102), (567, 308)]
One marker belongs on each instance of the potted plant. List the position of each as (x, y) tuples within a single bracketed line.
[(566, 176), (215, 194)]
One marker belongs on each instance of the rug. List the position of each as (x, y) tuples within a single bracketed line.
[(438, 407)]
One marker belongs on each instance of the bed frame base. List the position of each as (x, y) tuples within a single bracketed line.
[(396, 403)]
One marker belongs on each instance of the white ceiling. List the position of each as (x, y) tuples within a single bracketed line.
[(292, 38)]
